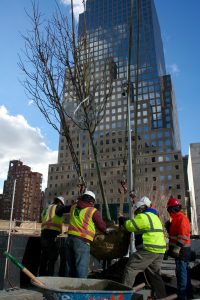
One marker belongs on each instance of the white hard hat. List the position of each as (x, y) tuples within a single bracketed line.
[(143, 201), (62, 200), (91, 194)]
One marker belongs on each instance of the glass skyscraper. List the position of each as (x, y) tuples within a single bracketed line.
[(159, 169)]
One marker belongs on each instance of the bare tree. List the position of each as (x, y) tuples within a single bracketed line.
[(159, 198), (61, 78)]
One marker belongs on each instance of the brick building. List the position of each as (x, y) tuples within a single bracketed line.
[(28, 194)]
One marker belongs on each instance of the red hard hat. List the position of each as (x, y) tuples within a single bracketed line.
[(173, 202)]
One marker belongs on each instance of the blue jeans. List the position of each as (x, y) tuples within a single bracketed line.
[(78, 257), (184, 288)]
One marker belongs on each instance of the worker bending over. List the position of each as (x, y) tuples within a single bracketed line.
[(84, 217), (150, 253)]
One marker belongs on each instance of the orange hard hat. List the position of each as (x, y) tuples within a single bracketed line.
[(173, 202)]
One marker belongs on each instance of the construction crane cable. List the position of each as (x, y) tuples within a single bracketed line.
[(127, 90)]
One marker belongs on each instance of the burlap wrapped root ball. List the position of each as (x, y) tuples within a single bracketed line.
[(113, 245)]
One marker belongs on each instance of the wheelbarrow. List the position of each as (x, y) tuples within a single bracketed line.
[(66, 288)]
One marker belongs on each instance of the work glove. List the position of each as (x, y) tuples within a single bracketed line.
[(121, 220), (175, 251)]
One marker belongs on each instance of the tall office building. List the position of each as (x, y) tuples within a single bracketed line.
[(159, 167), (193, 172), (28, 196)]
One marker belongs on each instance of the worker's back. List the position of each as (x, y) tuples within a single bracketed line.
[(148, 224)]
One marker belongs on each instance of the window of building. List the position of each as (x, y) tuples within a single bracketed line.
[(168, 157), (168, 168)]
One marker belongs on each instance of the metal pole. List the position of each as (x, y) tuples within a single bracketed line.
[(130, 163), (10, 229)]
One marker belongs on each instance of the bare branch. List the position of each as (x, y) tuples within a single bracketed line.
[(60, 71)]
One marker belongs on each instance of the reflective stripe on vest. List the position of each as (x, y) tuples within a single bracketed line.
[(152, 229), (174, 239), (82, 225), (51, 221)]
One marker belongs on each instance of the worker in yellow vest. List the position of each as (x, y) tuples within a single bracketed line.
[(84, 217), (149, 255), (52, 221)]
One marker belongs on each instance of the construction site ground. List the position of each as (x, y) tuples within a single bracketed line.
[(114, 272), (24, 244)]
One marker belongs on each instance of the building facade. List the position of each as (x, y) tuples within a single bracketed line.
[(193, 171), (158, 166), (28, 194)]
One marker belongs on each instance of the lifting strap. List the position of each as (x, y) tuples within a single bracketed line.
[(122, 191)]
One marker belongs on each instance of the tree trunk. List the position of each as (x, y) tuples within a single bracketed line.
[(108, 217)]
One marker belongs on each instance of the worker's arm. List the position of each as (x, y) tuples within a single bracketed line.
[(60, 210), (99, 222), (184, 232), (137, 224)]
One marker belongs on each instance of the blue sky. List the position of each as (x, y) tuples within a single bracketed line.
[(24, 133)]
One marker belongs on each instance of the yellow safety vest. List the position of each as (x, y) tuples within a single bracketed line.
[(80, 223), (149, 225), (50, 220)]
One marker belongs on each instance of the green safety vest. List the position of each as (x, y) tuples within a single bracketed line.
[(149, 225), (50, 220), (81, 223)]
